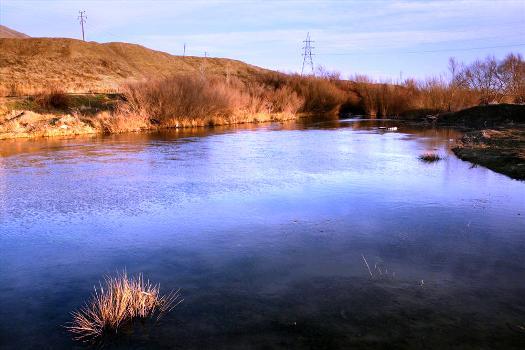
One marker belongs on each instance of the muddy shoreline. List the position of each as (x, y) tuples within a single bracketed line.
[(500, 150), (494, 137)]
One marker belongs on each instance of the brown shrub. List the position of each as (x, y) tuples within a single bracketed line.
[(319, 95), (186, 100), (177, 100), (54, 98), (383, 99)]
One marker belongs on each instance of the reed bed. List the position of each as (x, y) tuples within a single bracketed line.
[(118, 301), (189, 101)]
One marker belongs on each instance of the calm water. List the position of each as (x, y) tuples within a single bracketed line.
[(264, 229)]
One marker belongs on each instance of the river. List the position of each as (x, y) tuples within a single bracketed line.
[(265, 229)]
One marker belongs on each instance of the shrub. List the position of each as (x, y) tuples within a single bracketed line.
[(179, 100), (52, 99), (197, 101), (319, 95)]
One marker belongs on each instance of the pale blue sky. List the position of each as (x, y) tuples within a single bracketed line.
[(377, 38)]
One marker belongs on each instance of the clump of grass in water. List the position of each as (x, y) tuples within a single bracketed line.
[(429, 157), (120, 300)]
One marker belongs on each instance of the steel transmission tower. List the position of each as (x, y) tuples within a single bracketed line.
[(82, 19), (307, 54)]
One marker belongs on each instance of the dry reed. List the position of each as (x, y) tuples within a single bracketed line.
[(120, 300), (189, 101), (429, 157)]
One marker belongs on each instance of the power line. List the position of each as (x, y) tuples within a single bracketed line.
[(307, 54), (423, 51)]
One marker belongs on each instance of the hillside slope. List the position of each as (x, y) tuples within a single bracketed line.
[(6, 32), (29, 65)]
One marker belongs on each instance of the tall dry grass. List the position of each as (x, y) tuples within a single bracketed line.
[(318, 95), (120, 300), (53, 98), (179, 100), (184, 100), (117, 122)]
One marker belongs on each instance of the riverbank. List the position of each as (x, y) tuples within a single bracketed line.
[(482, 117), (500, 150), (174, 102), (495, 137), (28, 124)]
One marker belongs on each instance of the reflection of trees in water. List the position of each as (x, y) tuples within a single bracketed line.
[(105, 145), (125, 141), (431, 137)]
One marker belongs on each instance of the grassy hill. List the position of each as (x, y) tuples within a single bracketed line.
[(11, 33), (33, 64), (38, 77)]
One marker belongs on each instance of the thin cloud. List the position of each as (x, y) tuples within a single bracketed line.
[(270, 33)]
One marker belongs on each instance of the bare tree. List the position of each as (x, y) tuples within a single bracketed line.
[(482, 76), (511, 73)]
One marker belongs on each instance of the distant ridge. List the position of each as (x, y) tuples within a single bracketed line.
[(32, 64), (6, 32)]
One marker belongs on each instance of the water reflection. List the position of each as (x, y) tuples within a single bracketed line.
[(264, 228)]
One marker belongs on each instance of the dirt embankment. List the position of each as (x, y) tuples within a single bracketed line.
[(495, 137), (482, 117), (499, 150), (99, 114)]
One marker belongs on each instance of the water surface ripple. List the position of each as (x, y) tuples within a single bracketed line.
[(265, 228)]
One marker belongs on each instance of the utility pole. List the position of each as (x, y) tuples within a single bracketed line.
[(307, 54), (82, 18), (184, 52)]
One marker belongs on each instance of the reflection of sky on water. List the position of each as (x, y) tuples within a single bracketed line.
[(255, 211)]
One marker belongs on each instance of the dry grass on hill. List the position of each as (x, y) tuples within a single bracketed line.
[(6, 32), (31, 65)]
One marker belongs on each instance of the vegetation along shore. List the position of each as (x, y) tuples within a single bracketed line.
[(60, 87)]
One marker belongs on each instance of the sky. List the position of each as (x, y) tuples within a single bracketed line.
[(386, 40)]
